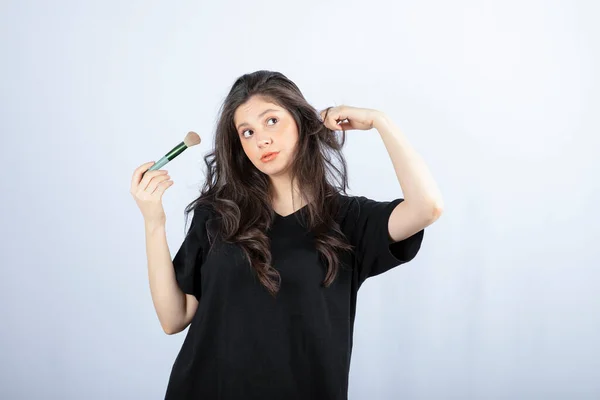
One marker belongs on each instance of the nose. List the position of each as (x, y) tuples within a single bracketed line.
[(263, 140)]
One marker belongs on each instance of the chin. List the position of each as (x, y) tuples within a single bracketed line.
[(273, 168), (272, 171)]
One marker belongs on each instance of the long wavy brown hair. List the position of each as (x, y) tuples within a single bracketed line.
[(240, 194)]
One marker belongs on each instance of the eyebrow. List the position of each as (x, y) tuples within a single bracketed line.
[(259, 116)]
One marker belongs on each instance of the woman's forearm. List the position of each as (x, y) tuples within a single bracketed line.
[(173, 307)]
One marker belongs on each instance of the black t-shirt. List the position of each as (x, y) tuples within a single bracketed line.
[(243, 343)]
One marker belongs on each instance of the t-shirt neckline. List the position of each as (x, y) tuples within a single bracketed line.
[(290, 215)]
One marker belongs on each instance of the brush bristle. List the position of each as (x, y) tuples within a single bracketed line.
[(191, 139)]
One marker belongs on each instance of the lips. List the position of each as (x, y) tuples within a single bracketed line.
[(269, 156)]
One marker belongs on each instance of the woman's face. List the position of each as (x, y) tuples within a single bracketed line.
[(264, 128)]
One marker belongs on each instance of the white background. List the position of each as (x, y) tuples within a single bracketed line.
[(501, 98)]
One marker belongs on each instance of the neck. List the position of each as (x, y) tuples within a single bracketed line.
[(283, 196)]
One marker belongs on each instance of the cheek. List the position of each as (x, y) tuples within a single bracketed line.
[(289, 134), (293, 138), (250, 150)]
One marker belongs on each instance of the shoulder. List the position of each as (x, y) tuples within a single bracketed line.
[(353, 206), (203, 211), (361, 213), (346, 210), (204, 221)]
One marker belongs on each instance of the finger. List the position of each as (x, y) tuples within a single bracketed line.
[(333, 121), (137, 174), (327, 112), (148, 177), (346, 126), (155, 181), (160, 190), (330, 124)]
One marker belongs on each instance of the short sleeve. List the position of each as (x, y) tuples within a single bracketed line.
[(367, 225), (190, 256)]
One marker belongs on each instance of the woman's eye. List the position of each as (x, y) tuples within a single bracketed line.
[(247, 136)]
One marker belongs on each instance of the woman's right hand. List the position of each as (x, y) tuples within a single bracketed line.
[(148, 191)]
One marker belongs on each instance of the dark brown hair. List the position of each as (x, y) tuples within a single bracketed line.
[(240, 194)]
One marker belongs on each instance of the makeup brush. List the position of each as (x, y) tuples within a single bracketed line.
[(191, 139)]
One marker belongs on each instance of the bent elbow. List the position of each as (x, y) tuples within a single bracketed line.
[(171, 330), (437, 211), (432, 213)]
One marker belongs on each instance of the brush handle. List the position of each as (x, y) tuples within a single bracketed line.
[(175, 151), (160, 163)]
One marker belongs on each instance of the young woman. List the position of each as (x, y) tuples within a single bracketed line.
[(268, 273)]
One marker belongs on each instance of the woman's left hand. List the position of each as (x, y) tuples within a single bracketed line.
[(357, 118)]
